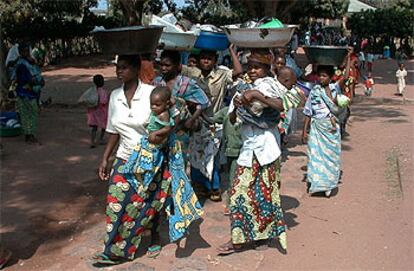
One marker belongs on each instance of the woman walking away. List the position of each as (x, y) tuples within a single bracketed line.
[(98, 115), (135, 200), (29, 83), (401, 74)]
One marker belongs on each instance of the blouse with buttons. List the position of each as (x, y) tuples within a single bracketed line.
[(129, 122)]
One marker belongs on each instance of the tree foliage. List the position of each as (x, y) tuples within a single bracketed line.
[(217, 12), (231, 11), (130, 12), (326, 8), (37, 19), (393, 21)]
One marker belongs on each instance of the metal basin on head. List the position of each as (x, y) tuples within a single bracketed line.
[(259, 37), (129, 40), (326, 55), (178, 41)]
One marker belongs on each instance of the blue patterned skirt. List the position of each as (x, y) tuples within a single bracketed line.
[(324, 156)]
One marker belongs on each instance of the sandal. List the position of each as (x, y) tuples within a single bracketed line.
[(227, 211), (215, 196), (103, 259), (153, 251), (98, 256), (228, 248)]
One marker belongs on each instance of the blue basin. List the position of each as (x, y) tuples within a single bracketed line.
[(212, 41)]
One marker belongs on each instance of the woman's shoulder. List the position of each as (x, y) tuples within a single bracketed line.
[(146, 90), (116, 92), (145, 86)]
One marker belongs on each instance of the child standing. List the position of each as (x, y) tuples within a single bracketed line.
[(98, 115), (232, 144), (401, 74), (369, 85)]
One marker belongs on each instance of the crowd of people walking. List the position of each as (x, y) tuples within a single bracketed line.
[(172, 128), (173, 136)]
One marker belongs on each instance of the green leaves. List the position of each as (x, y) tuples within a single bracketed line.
[(391, 21)]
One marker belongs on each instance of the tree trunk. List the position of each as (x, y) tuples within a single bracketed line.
[(271, 8), (132, 10), (4, 82)]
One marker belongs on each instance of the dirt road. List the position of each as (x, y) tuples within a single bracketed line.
[(52, 204)]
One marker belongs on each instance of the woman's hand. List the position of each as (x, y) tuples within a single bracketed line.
[(152, 138), (189, 124), (237, 101), (249, 96), (192, 124), (103, 170), (304, 137)]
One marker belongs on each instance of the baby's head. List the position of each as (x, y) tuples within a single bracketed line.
[(325, 74), (401, 66), (160, 100), (286, 76), (98, 80), (369, 75)]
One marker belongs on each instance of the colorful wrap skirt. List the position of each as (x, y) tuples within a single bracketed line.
[(255, 206), (138, 190), (129, 212)]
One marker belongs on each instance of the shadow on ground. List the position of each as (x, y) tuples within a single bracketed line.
[(50, 193)]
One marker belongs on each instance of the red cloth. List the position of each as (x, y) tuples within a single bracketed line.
[(147, 73), (369, 83), (312, 77), (97, 116)]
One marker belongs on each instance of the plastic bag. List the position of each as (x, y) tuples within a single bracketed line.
[(89, 98), (343, 101), (273, 23)]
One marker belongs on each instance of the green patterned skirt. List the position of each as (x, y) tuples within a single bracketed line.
[(28, 111)]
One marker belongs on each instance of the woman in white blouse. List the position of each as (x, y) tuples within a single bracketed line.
[(133, 205), (129, 211), (129, 111)]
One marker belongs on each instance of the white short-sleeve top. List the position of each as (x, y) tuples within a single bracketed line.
[(129, 122)]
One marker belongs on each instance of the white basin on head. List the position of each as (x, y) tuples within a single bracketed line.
[(259, 37), (178, 41)]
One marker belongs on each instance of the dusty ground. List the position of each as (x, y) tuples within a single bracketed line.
[(52, 204)]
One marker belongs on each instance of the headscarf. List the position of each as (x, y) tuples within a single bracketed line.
[(260, 57)]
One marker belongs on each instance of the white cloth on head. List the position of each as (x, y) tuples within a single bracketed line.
[(129, 121)]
